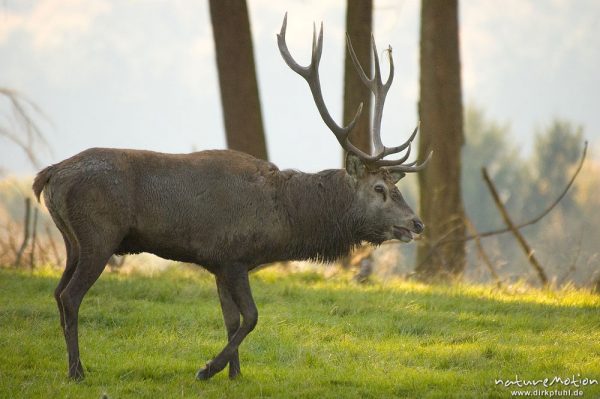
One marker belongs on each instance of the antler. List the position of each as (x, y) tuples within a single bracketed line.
[(311, 74)]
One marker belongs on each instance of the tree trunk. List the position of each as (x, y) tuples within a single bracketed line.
[(237, 77), (440, 110), (359, 25)]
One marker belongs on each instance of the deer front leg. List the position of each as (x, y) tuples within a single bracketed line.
[(235, 279), (231, 316)]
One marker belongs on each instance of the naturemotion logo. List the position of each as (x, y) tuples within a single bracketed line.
[(573, 381)]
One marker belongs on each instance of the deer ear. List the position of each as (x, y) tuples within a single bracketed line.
[(354, 166), (396, 176)]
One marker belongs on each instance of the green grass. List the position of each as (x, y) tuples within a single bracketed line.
[(145, 336)]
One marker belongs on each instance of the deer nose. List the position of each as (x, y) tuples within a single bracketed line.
[(418, 225)]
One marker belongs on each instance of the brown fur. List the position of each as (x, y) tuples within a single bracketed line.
[(224, 210)]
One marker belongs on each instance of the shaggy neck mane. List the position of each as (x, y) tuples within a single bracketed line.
[(319, 209)]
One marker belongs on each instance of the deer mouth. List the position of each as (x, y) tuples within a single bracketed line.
[(403, 234)]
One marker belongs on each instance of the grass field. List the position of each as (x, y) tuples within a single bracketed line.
[(145, 336)]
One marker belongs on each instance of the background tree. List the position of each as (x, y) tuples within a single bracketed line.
[(440, 110), (488, 145), (359, 26), (237, 77), (565, 241), (557, 150)]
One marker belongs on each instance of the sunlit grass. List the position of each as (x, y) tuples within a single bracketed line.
[(145, 336)]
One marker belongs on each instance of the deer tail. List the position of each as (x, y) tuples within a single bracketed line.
[(41, 180)]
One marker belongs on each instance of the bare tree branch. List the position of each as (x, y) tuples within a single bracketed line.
[(529, 252), (22, 109), (545, 212), (445, 240)]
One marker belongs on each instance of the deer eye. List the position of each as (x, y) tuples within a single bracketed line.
[(381, 190)]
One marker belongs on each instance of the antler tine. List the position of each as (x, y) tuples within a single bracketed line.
[(379, 90), (393, 150), (311, 74), (388, 83), (359, 69), (377, 70), (390, 162), (408, 168), (285, 53), (317, 47)]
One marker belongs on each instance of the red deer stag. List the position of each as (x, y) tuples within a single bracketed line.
[(224, 210)]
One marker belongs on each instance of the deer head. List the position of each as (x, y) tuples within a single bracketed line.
[(386, 213)]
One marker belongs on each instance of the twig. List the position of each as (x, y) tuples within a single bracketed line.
[(25, 233), (481, 250), (511, 226), (4, 250), (573, 267), (33, 238)]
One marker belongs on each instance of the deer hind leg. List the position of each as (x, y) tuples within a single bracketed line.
[(231, 315), (72, 251), (95, 248), (235, 278)]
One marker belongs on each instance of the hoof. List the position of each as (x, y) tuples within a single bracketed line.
[(204, 374), (234, 372), (77, 374)]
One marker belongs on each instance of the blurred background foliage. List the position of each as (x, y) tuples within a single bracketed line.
[(566, 240)]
